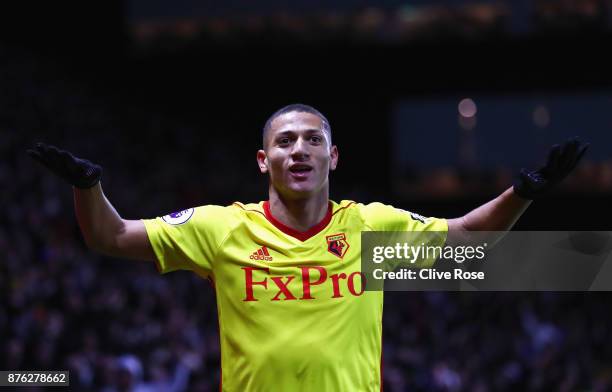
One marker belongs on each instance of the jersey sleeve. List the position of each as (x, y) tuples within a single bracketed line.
[(189, 239), (422, 231), (382, 217)]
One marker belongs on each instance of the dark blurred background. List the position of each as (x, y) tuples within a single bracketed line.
[(434, 107)]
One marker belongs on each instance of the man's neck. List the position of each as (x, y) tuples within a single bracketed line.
[(300, 214)]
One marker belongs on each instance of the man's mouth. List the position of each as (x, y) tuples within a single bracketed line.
[(300, 170)]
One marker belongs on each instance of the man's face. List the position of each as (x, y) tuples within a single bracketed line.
[(298, 155)]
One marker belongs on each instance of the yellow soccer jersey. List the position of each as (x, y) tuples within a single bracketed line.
[(293, 315)]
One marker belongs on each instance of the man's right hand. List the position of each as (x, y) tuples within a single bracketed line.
[(78, 172)]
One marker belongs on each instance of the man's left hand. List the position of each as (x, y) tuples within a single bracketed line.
[(562, 159)]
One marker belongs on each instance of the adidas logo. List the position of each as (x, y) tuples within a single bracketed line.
[(261, 254)]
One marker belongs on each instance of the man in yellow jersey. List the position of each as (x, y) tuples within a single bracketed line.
[(293, 312)]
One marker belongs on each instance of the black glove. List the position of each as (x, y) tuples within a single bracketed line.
[(562, 159), (79, 172)]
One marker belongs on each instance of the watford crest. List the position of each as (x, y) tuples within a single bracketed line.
[(337, 245)]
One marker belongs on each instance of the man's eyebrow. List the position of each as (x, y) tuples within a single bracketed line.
[(312, 131), (309, 130)]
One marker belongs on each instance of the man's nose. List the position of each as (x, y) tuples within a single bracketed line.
[(300, 150)]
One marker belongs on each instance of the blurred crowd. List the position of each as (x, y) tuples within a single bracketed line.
[(117, 325), (497, 342), (388, 22)]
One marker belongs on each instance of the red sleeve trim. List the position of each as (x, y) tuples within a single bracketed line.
[(245, 209), (342, 208)]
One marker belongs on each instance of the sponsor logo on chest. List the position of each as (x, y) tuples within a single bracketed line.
[(299, 285)]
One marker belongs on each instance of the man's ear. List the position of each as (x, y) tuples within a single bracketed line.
[(334, 158), (262, 161)]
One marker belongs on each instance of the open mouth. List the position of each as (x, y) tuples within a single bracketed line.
[(299, 169)]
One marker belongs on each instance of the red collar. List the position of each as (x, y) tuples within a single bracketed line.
[(300, 235)]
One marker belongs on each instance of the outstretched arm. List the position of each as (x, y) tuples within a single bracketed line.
[(498, 215), (102, 227), (105, 231), (501, 213)]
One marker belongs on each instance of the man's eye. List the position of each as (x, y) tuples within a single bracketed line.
[(316, 139), (284, 140)]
